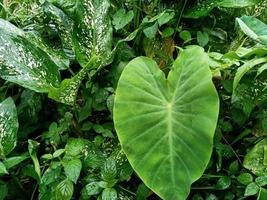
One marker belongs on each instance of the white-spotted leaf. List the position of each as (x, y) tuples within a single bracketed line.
[(23, 62), (8, 126)]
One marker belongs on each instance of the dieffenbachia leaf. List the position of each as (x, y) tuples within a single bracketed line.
[(256, 159), (24, 63), (8, 126), (67, 92), (92, 32), (253, 28), (166, 126), (205, 7)]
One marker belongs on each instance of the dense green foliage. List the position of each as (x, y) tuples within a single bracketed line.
[(133, 99)]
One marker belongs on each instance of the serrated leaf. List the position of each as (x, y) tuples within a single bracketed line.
[(72, 169), (64, 190), (109, 194), (172, 121), (251, 189), (8, 126), (24, 63), (91, 189), (75, 146)]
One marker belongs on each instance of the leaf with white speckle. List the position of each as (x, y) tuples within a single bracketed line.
[(23, 62), (93, 32), (8, 126)]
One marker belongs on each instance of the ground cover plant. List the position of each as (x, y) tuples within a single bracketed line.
[(133, 99)]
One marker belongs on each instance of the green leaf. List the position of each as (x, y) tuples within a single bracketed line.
[(32, 148), (3, 169), (172, 121), (254, 159), (223, 183), (58, 153), (72, 169), (75, 146), (13, 161), (165, 17), (253, 28), (93, 32), (3, 191), (151, 31), (241, 71), (261, 181), (205, 7), (202, 38), (262, 194), (109, 194), (245, 178), (121, 18), (91, 189), (64, 190), (24, 63), (8, 126), (251, 189), (185, 35)]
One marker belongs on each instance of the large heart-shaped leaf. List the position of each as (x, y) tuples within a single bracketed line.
[(166, 127), (23, 62), (8, 126)]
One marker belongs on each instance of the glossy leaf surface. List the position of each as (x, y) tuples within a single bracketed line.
[(23, 62), (166, 126), (253, 28), (8, 126)]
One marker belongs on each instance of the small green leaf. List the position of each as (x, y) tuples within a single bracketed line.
[(91, 189), (251, 189), (223, 183), (261, 180), (3, 169), (109, 194), (151, 31), (8, 126), (32, 148), (121, 18), (64, 190), (72, 169), (13, 161), (165, 18), (245, 178), (58, 153), (254, 159), (3, 191), (109, 170), (185, 35), (167, 32), (202, 38), (75, 146)]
